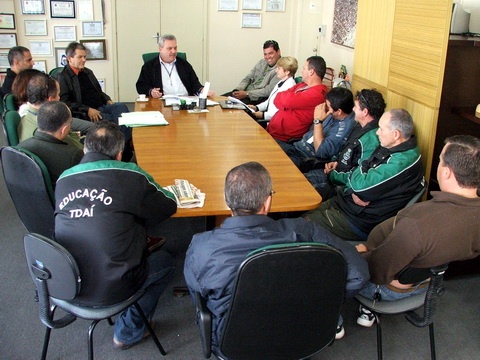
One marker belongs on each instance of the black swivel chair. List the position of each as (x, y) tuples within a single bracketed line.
[(285, 304), (58, 281), (30, 188), (407, 306)]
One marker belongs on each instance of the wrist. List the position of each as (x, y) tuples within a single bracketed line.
[(317, 121)]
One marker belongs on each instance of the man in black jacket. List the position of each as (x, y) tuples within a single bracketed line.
[(168, 74), (19, 58)]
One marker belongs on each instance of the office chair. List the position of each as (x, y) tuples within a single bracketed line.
[(29, 185), (278, 310), (58, 281), (149, 56), (10, 102), (418, 196), (10, 122), (298, 80), (407, 306), (55, 70)]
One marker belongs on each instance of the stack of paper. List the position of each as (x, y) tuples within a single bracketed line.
[(175, 100), (142, 118)]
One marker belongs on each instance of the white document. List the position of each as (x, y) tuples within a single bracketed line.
[(205, 90), (171, 100), (236, 101), (142, 118)]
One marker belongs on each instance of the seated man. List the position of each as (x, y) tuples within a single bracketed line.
[(214, 257), (41, 89), (297, 104), (54, 121), (261, 80), (168, 74), (362, 141), (430, 233), (332, 123), (102, 206), (19, 58), (379, 186)]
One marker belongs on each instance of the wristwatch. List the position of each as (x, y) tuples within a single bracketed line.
[(317, 121)]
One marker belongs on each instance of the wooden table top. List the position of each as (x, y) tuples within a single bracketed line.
[(203, 147)]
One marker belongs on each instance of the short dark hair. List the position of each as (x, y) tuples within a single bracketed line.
[(373, 101), (271, 43), (105, 137), (52, 116), (20, 84), (16, 52), (246, 188), (40, 87), (318, 64), (462, 156), (341, 98), (73, 47), (401, 120)]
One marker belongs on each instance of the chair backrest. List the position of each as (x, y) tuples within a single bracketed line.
[(285, 303), (55, 70), (419, 194), (11, 119), (10, 102), (151, 55), (298, 80), (48, 260), (30, 188)]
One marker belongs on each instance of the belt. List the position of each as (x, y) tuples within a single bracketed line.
[(409, 290)]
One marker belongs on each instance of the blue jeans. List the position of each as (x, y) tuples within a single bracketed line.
[(112, 112), (129, 326), (386, 294)]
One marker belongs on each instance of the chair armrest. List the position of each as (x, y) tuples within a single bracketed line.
[(204, 321)]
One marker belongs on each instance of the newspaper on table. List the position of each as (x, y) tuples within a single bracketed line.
[(171, 100), (142, 118), (186, 195)]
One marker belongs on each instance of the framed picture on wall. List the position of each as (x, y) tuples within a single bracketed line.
[(92, 28), (64, 33), (62, 9), (227, 5), (36, 7), (96, 49), (40, 65), (60, 57), (8, 40), (275, 5), (251, 20), (40, 47), (7, 21), (35, 27), (4, 64)]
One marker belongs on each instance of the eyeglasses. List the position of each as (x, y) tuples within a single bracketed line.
[(269, 43), (363, 99)]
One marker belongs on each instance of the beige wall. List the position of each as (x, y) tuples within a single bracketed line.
[(230, 51)]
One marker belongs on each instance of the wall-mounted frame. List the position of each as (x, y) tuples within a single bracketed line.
[(92, 28), (62, 9), (227, 5), (7, 21), (251, 20), (8, 40), (60, 57), (64, 33), (96, 49), (101, 82), (35, 7), (275, 5), (40, 47), (251, 4), (4, 65), (35, 27), (40, 65)]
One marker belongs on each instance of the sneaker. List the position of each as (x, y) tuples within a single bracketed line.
[(340, 332), (366, 317), (117, 344)]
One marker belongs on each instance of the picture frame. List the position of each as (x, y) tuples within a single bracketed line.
[(64, 33), (4, 64), (33, 7), (8, 40), (251, 20), (251, 4), (40, 47), (35, 27), (92, 28), (60, 57), (7, 21), (227, 5), (40, 65), (96, 49), (101, 82), (62, 9), (275, 5)]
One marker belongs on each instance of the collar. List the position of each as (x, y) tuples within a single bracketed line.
[(42, 135), (165, 63), (93, 156), (75, 70), (246, 221)]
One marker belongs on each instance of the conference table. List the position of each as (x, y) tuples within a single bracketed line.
[(203, 147)]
